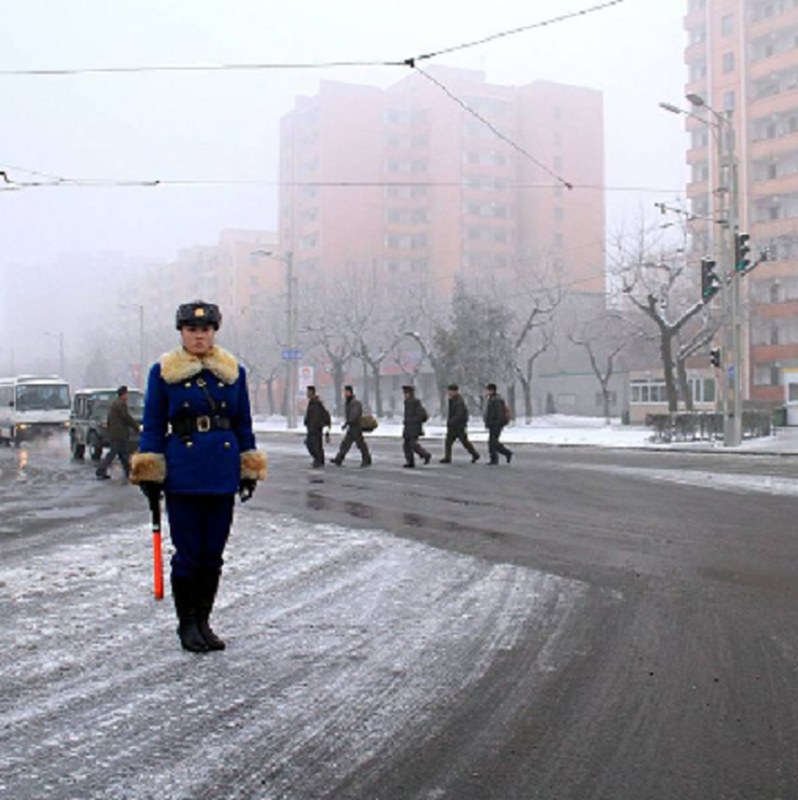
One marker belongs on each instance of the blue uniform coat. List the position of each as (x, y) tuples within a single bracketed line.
[(210, 462)]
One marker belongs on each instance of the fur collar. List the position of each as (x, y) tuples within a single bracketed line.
[(177, 365)]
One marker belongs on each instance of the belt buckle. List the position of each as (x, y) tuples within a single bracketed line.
[(203, 424)]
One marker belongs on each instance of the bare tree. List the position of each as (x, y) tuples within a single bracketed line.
[(334, 316), (658, 288), (603, 339)]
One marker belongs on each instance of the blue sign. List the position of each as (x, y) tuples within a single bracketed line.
[(289, 354), (731, 373)]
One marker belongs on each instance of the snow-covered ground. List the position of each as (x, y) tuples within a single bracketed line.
[(558, 429), (344, 646)]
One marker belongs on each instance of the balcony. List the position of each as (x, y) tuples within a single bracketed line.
[(770, 353), (772, 24), (778, 310), (776, 63), (762, 148), (768, 270)]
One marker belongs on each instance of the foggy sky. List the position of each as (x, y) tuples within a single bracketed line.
[(224, 125)]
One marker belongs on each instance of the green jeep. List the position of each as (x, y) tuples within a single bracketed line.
[(88, 421)]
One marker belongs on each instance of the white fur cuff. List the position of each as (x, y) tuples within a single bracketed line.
[(253, 465), (147, 468)]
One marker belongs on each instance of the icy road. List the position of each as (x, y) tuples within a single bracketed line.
[(582, 624)]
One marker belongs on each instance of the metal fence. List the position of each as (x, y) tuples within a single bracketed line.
[(701, 426)]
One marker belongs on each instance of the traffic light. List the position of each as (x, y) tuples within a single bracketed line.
[(741, 252), (709, 279), (714, 356)]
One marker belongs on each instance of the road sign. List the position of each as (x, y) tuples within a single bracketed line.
[(306, 378), (289, 354)]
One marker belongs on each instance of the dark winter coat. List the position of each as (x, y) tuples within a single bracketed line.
[(415, 417), (120, 421), (203, 462), (495, 412), (458, 414), (353, 412), (316, 415)]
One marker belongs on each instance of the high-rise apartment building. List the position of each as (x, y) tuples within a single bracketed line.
[(742, 57), (408, 181)]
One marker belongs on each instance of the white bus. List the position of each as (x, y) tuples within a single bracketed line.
[(32, 405)]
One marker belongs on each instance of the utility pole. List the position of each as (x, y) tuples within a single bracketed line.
[(142, 353), (291, 362), (733, 422)]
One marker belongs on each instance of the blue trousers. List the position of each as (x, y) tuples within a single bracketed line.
[(199, 525)]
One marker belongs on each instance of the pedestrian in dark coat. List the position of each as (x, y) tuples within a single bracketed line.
[(197, 446), (495, 420), (456, 424), (317, 418), (120, 424), (353, 411), (415, 417)]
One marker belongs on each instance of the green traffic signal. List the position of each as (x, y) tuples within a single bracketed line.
[(741, 251)]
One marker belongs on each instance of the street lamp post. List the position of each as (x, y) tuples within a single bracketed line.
[(733, 420), (142, 342), (290, 354), (61, 357), (732, 351)]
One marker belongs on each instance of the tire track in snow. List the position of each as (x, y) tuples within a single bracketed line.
[(344, 648)]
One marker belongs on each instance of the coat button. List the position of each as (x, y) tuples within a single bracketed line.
[(186, 404), (187, 384), (227, 445), (221, 385), (189, 444), (224, 405)]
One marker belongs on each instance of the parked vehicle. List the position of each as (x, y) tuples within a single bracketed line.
[(88, 423), (31, 406)]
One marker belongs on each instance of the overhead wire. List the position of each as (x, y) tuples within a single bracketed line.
[(112, 183), (259, 66), (409, 62)]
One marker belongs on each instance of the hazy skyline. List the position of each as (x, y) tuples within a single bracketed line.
[(224, 125)]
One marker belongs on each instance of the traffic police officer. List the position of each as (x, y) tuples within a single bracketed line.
[(198, 447)]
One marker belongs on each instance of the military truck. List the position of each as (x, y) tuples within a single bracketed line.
[(88, 422)]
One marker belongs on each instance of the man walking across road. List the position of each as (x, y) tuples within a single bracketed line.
[(456, 424), (316, 419), (120, 424), (415, 417), (354, 431), (495, 420)]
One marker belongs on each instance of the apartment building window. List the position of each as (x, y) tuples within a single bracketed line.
[(698, 70), (775, 293), (774, 335), (727, 25), (558, 241), (698, 139), (728, 100), (775, 376), (557, 162), (698, 35), (559, 214), (728, 63)]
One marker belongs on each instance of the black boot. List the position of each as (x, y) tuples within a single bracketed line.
[(184, 593), (207, 584)]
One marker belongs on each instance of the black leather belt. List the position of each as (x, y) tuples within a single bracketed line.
[(186, 426)]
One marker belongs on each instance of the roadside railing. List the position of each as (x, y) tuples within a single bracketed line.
[(687, 426)]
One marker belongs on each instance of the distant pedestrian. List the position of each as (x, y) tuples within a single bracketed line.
[(317, 418), (495, 419), (415, 417), (120, 426), (353, 411), (456, 424)]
